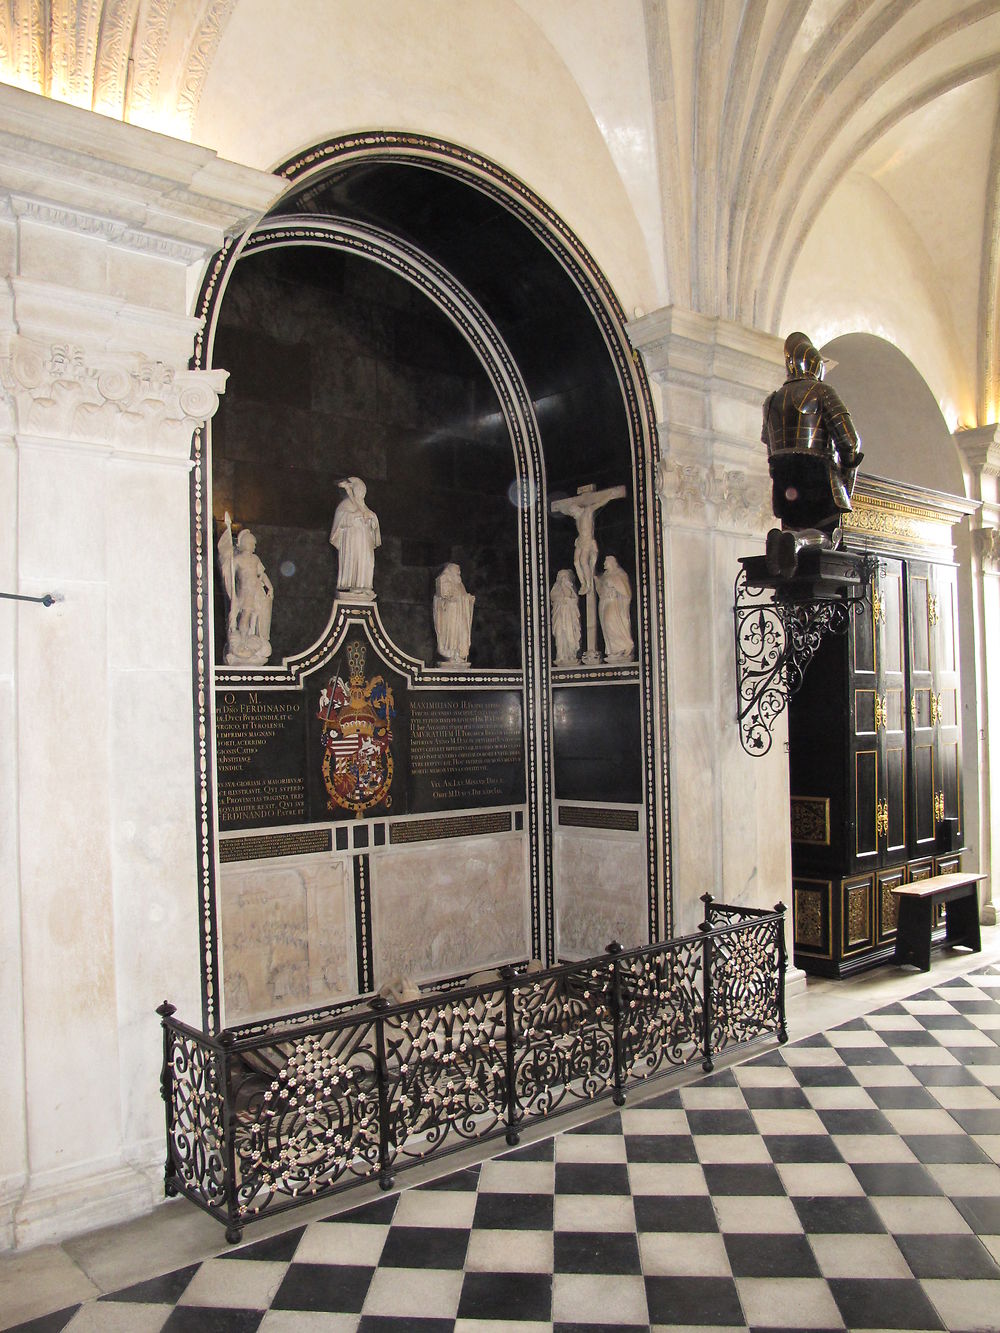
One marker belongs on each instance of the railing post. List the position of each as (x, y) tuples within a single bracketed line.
[(613, 950), (379, 1004), (782, 968), (165, 1011), (507, 974), (234, 1231), (708, 900), (707, 988)]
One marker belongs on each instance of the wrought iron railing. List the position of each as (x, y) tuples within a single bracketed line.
[(262, 1118)]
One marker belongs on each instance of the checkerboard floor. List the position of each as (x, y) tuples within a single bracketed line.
[(848, 1180)]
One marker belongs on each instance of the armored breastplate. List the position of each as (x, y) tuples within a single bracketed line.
[(794, 418)]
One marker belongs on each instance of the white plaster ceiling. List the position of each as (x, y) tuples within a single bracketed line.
[(756, 117)]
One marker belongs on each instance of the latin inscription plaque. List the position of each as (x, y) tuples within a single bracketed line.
[(260, 743), (466, 749)]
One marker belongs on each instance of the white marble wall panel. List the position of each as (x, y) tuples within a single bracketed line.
[(600, 892), (288, 939), (449, 907)]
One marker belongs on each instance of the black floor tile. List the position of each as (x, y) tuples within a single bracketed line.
[(883, 1303), (975, 1055), (542, 1151), (377, 1212), (825, 1076), (945, 1148), (596, 1252), (742, 1178), (776, 1099), (945, 1022), (976, 1006), (331, 1288), (855, 1122), (513, 1212), (982, 1214), (906, 1098), (591, 1178), (770, 1256), (841, 1215), (723, 1078), (660, 1148), (801, 1148), (769, 1059), (165, 1290), (943, 1076), (721, 1122), (977, 1121), (817, 1039), (693, 1300), (878, 1178), (655, 1212), (916, 1036), (425, 1247), (280, 1248), (465, 1180), (868, 1055), (506, 1296), (212, 1319), (46, 1323), (598, 1328), (666, 1101), (948, 1257), (608, 1124)]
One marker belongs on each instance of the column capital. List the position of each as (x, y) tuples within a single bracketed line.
[(980, 447), (675, 342)]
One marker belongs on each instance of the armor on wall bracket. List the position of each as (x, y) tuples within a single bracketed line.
[(779, 624)]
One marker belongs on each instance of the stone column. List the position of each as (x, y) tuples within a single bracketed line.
[(729, 812), (981, 449), (105, 230)]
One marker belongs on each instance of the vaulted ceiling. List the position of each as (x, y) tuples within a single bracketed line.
[(779, 130)]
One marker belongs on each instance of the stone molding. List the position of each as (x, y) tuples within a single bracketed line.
[(980, 447), (716, 496), (121, 401), (986, 542), (683, 345)]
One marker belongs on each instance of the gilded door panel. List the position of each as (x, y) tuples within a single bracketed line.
[(812, 900), (888, 903), (895, 800), (923, 796), (857, 922)]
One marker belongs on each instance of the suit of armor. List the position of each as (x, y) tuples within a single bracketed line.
[(813, 449)]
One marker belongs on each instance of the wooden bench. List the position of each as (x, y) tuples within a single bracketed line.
[(917, 902)]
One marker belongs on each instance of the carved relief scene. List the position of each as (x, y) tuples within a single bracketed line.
[(428, 604)]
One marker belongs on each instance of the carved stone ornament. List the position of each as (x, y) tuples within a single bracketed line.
[(118, 400), (987, 544), (725, 497)]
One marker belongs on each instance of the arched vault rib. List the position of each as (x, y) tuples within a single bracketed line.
[(792, 170), (988, 372), (784, 251)]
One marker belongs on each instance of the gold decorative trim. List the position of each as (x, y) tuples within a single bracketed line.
[(811, 820), (812, 900), (857, 915), (877, 515)]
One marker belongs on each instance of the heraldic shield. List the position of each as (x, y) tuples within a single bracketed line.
[(357, 731)]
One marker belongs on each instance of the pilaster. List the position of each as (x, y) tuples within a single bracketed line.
[(729, 811), (105, 230), (980, 447)]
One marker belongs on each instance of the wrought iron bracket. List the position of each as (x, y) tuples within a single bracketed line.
[(779, 625)]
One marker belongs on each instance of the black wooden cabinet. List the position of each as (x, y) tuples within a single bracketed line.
[(875, 758)]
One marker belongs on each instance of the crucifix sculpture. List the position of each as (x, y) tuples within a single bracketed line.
[(581, 508)]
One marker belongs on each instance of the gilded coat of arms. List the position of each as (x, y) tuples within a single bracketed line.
[(357, 731)]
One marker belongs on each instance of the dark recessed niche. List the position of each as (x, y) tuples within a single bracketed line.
[(340, 367)]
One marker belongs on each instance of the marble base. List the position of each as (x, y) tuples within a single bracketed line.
[(600, 893)]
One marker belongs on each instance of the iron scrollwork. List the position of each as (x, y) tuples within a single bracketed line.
[(779, 628)]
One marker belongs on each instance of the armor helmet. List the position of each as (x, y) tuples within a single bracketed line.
[(802, 358)]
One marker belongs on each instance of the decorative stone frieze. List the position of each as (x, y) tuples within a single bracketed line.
[(718, 496), (986, 542), (121, 401)]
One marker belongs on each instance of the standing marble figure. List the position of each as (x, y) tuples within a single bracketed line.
[(251, 599), (615, 597), (355, 536), (452, 613), (566, 618)]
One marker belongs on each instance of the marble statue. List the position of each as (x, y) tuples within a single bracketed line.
[(452, 612), (566, 619), (355, 536), (250, 596), (813, 453), (615, 597), (582, 507)]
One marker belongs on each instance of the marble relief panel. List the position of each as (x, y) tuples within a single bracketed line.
[(287, 936), (449, 908), (600, 893)]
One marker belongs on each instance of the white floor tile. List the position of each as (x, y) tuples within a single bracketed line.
[(117, 1317), (863, 1255), (920, 1215), (872, 1148), (788, 1302), (731, 1148), (819, 1179), (504, 1251), (670, 1178), (598, 1298), (597, 1212), (246, 1284), (517, 1177), (966, 1304), (434, 1292), (684, 1254), (590, 1148), (757, 1213)]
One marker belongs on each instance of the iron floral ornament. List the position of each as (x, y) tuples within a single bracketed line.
[(357, 735)]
